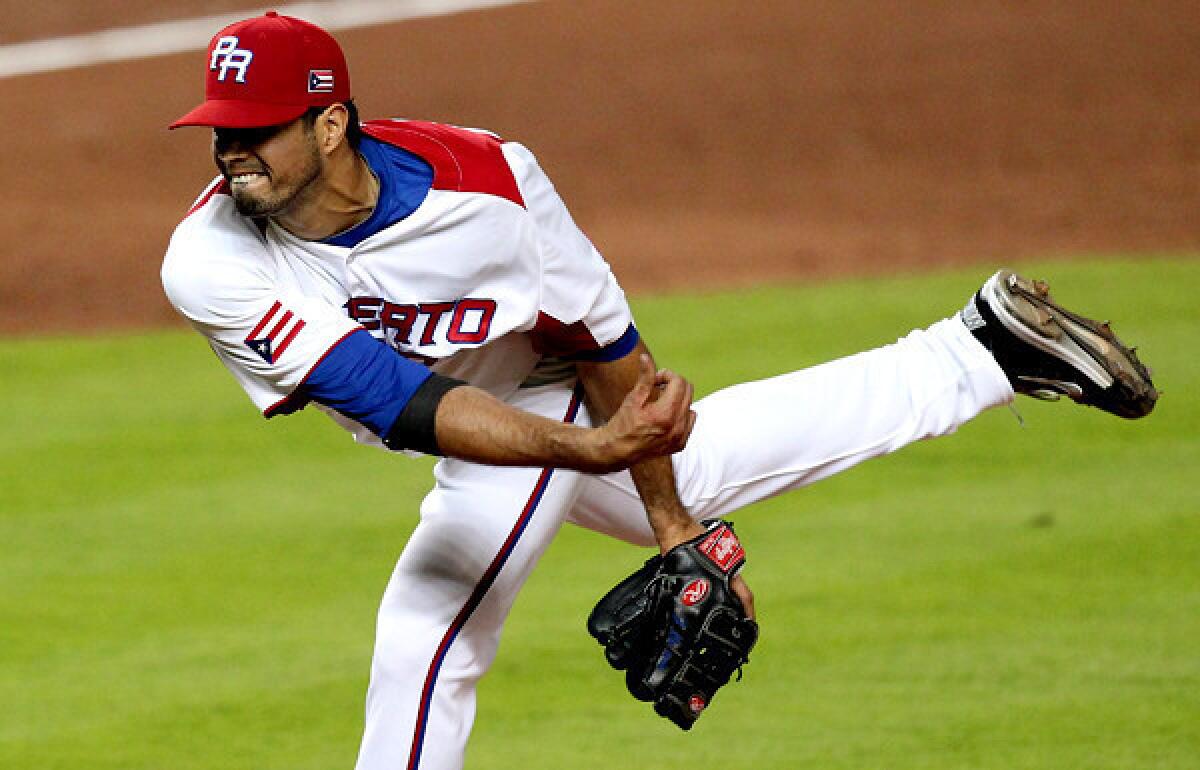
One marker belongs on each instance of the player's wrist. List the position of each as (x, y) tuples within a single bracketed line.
[(605, 450), (588, 450), (680, 528)]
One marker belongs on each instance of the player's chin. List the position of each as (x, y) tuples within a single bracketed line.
[(250, 204)]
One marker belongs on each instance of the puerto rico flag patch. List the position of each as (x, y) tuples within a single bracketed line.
[(320, 81), (274, 333)]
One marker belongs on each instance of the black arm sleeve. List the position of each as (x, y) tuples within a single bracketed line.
[(415, 428)]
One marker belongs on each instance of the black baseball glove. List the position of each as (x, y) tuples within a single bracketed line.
[(676, 627)]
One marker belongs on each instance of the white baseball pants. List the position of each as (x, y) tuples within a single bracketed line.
[(483, 529)]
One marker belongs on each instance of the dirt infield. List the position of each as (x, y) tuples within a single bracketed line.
[(701, 143)]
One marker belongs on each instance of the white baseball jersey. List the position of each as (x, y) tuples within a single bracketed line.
[(485, 280)]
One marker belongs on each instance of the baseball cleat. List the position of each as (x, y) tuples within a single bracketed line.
[(1047, 351)]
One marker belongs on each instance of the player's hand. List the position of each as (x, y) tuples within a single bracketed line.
[(738, 584), (690, 529), (654, 419)]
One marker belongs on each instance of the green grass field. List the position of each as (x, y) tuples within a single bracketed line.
[(187, 586)]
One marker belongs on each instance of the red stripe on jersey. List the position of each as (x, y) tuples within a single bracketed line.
[(263, 323), (279, 326), (288, 339), (220, 188), (552, 337), (462, 160)]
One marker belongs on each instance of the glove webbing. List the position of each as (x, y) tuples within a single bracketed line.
[(718, 650)]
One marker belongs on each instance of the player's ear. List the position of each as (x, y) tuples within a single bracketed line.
[(331, 127)]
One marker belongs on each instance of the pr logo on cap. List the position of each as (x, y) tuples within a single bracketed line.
[(227, 56)]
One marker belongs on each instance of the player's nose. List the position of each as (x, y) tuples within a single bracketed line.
[(234, 159), (229, 144)]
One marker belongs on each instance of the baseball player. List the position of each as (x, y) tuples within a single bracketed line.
[(425, 286)]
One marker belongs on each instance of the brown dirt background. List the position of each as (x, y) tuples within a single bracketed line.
[(701, 143)]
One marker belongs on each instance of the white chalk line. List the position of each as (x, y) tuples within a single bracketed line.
[(169, 37)]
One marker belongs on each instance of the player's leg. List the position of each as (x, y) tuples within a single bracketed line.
[(481, 532), (758, 439)]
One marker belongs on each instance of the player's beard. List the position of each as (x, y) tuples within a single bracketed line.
[(283, 189)]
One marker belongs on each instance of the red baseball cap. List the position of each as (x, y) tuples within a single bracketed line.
[(269, 70)]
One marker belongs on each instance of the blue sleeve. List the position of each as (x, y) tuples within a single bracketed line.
[(365, 380), (613, 351)]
